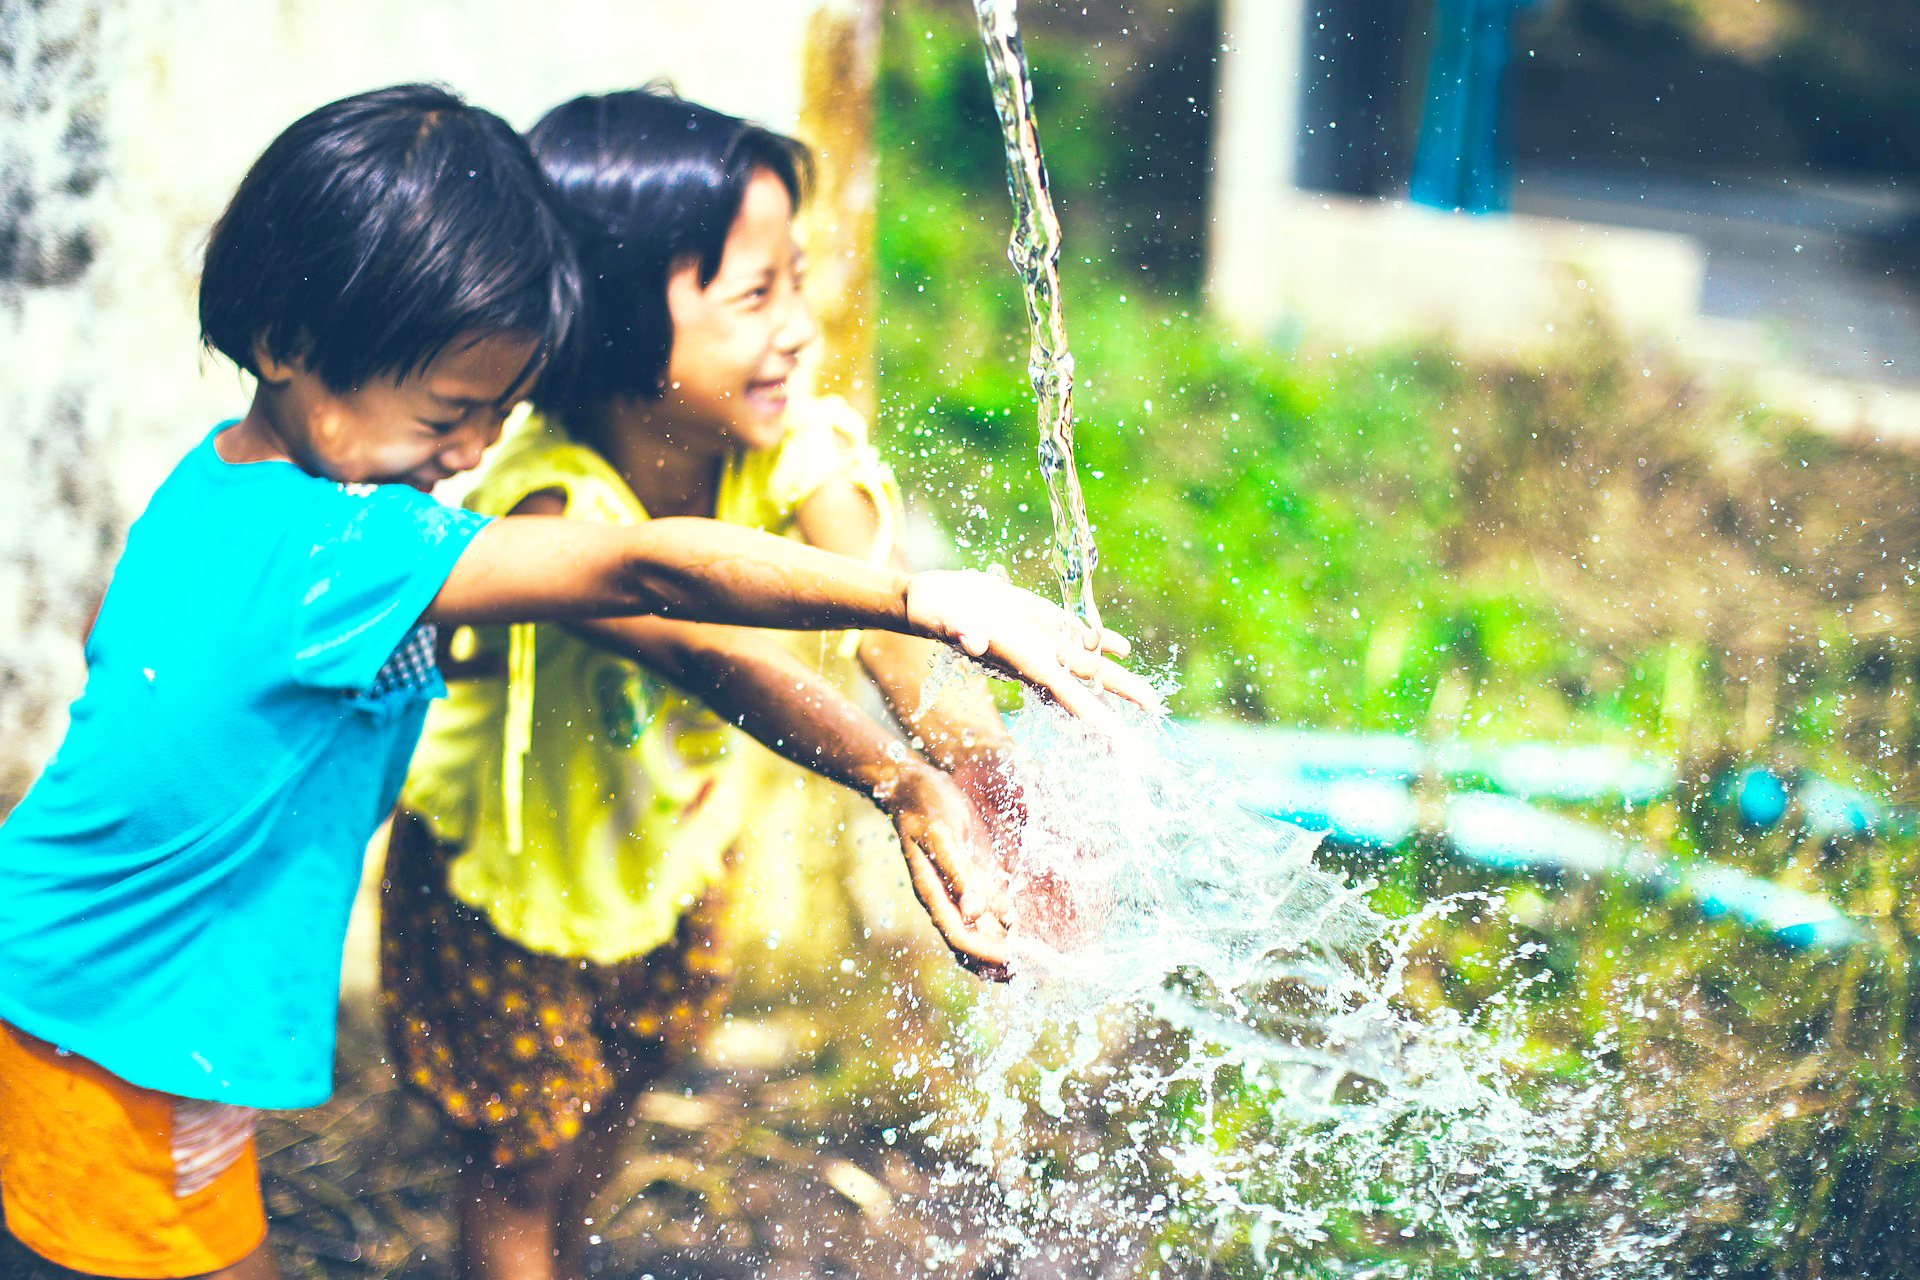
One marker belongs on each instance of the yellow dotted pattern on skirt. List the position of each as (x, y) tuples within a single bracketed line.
[(520, 1047)]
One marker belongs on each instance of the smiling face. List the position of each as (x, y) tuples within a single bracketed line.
[(736, 341), (416, 430)]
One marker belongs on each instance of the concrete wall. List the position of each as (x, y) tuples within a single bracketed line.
[(1367, 269)]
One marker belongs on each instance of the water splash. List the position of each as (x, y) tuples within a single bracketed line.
[(1210, 1052), (1034, 250), (1209, 1048)]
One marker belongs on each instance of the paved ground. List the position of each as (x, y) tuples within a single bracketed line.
[(1826, 275)]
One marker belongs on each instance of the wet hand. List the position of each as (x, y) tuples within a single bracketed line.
[(1063, 906), (945, 844), (1016, 632)]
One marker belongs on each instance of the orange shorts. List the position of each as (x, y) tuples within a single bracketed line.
[(101, 1176)]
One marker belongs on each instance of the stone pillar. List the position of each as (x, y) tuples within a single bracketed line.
[(1255, 148), (836, 120), (60, 520)]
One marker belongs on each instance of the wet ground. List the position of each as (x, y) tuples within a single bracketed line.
[(734, 1172), (771, 1157)]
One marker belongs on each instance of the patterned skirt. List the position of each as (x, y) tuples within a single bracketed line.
[(518, 1047)]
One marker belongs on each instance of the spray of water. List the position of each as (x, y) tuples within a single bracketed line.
[(1208, 1047)]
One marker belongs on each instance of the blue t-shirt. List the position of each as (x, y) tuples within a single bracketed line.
[(174, 889)]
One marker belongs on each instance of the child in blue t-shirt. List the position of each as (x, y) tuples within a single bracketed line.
[(174, 889)]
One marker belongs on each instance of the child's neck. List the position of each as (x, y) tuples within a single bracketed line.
[(673, 468), (258, 437)]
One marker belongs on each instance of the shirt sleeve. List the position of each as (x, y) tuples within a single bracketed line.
[(827, 441), (377, 561)]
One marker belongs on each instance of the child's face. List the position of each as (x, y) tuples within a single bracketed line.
[(416, 430), (735, 342)]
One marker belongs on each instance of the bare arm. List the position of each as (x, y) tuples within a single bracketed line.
[(537, 568), (960, 723), (747, 677), (532, 568)]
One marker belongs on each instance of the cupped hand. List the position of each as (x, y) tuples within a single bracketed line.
[(1022, 635), (1064, 906), (946, 847)]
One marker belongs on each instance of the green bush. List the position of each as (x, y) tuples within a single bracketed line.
[(1587, 547)]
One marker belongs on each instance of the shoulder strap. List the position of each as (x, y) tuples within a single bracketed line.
[(538, 455)]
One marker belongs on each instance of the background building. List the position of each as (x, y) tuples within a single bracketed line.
[(1732, 181)]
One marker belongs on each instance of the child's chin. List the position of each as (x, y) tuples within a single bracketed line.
[(761, 431)]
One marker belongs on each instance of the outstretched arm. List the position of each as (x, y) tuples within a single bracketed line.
[(536, 568), (539, 568), (749, 678)]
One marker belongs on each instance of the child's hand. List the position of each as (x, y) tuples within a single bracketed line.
[(1053, 905), (1017, 632), (945, 844)]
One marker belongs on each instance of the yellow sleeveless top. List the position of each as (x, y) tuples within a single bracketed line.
[(591, 802)]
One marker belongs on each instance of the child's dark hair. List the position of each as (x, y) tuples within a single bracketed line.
[(645, 179), (378, 230)]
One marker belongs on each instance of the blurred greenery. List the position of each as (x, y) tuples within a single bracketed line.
[(1586, 547)]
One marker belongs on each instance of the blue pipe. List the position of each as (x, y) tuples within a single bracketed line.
[(1358, 788)]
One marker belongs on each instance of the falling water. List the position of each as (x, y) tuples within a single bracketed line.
[(1208, 1048), (1034, 250)]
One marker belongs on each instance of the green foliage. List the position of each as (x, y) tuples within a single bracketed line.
[(1390, 538), (1586, 546)]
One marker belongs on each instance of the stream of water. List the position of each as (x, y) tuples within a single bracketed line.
[(1034, 250), (1208, 1052)]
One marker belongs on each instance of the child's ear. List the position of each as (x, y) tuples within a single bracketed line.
[(271, 367)]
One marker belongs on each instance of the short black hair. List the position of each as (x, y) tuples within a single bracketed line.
[(645, 178), (376, 231)]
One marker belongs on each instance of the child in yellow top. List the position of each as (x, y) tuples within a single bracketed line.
[(561, 860)]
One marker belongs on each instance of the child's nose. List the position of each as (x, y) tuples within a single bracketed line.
[(798, 326), (464, 449)]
